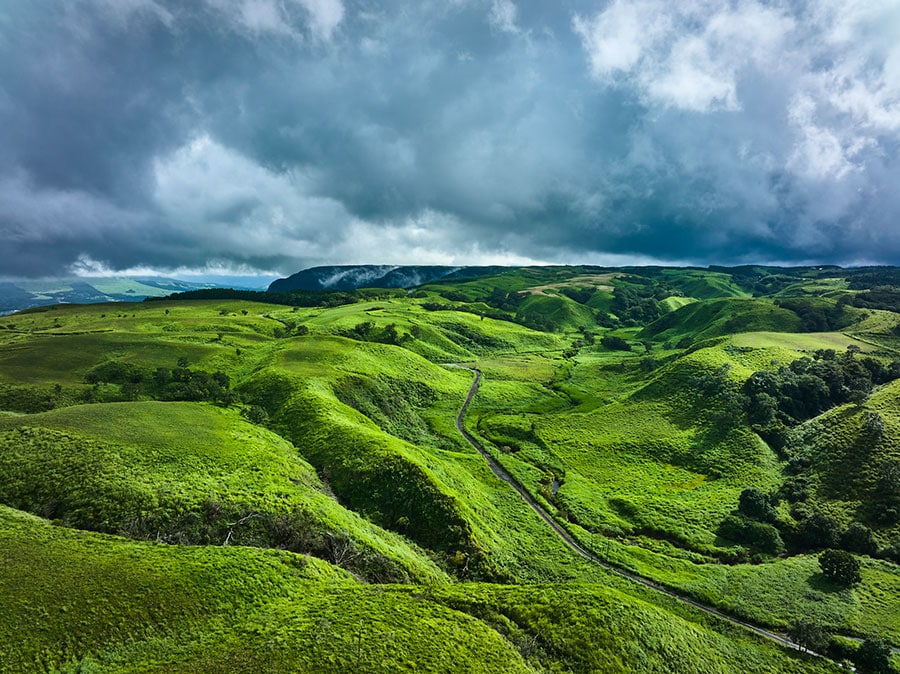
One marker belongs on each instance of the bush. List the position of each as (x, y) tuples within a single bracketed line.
[(818, 530), (758, 535), (809, 636)]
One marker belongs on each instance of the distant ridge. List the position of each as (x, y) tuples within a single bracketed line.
[(18, 294), (351, 277)]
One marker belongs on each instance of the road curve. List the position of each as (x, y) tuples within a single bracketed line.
[(567, 538)]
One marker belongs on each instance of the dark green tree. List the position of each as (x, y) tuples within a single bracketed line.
[(255, 414), (840, 567), (819, 531), (755, 503), (858, 538), (873, 657), (808, 636), (615, 343)]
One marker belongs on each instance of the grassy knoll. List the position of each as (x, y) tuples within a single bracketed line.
[(850, 457), (778, 592), (703, 320), (67, 593), (703, 284)]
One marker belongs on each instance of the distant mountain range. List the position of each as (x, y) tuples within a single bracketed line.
[(18, 294), (351, 277)]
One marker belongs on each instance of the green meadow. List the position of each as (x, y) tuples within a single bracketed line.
[(223, 484)]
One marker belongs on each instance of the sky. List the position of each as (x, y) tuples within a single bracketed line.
[(267, 136)]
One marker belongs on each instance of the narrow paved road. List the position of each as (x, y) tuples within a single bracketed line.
[(567, 538)]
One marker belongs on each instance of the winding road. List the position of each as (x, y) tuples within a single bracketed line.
[(570, 541)]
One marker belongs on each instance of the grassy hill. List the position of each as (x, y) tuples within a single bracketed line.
[(188, 473), (108, 604)]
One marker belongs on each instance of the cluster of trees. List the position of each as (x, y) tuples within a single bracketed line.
[(865, 278), (367, 331), (885, 497), (818, 315), (807, 387), (614, 343), (638, 304), (177, 383), (756, 524), (582, 295), (290, 328), (505, 300), (886, 298), (872, 656)]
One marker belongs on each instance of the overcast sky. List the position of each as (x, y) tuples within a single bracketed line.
[(272, 135)]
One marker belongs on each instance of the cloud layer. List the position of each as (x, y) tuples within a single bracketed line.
[(278, 134)]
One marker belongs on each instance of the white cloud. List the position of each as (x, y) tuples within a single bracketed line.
[(503, 16), (325, 16), (274, 16), (686, 55), (224, 203), (615, 39), (228, 203), (819, 152)]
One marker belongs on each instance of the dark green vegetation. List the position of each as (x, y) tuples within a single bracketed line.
[(273, 482)]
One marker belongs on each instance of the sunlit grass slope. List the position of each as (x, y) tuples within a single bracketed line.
[(847, 455), (108, 604), (113, 605), (641, 454), (703, 284), (187, 472), (651, 458)]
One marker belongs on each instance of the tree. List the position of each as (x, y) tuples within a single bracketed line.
[(615, 343), (858, 538), (819, 531), (887, 492), (840, 567), (873, 657), (255, 414), (808, 636), (754, 503)]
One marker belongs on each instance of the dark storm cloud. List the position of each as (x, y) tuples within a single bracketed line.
[(276, 134)]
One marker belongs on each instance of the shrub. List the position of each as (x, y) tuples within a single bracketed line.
[(809, 636)]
